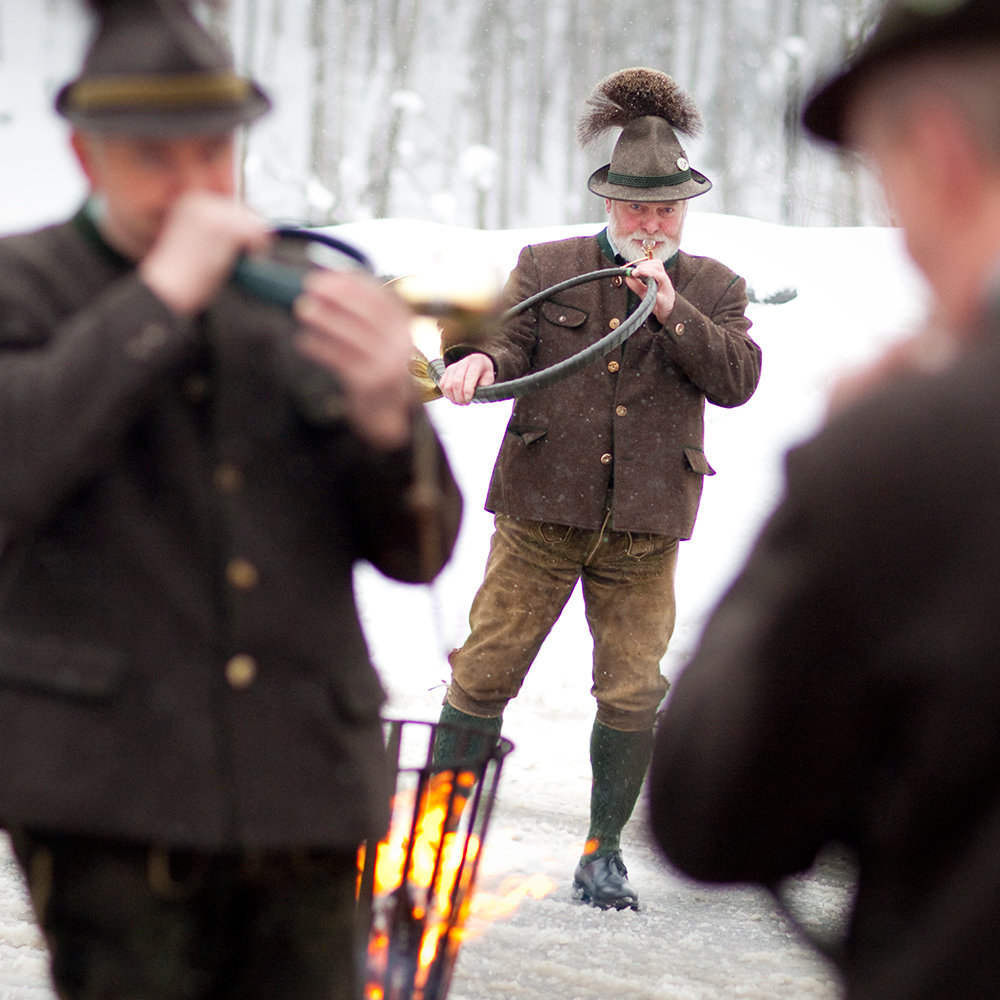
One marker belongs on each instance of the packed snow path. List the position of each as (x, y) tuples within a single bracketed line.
[(686, 943)]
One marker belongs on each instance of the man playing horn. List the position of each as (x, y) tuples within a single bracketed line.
[(599, 477), (189, 724)]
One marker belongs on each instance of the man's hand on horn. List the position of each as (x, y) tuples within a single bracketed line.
[(463, 377), (665, 294)]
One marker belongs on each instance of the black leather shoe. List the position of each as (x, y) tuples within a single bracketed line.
[(604, 883)]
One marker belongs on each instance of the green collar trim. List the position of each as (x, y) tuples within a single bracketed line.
[(87, 228), (605, 244)]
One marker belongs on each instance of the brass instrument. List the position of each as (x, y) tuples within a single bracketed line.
[(648, 246), (454, 303)]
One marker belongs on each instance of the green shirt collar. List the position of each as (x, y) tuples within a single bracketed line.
[(85, 225)]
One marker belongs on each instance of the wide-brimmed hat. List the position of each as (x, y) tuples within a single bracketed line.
[(905, 29), (648, 162), (153, 70)]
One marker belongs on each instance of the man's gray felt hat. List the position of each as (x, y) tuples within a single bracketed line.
[(153, 70), (906, 28), (648, 163)]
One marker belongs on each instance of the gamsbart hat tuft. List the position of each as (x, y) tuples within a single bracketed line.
[(906, 28), (648, 163), (153, 70)]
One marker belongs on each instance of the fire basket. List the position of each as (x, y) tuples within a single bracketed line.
[(415, 888)]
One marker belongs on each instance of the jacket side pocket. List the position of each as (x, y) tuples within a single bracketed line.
[(528, 435), (697, 462), (87, 673)]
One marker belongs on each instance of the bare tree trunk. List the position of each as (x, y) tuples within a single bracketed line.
[(855, 27), (541, 96), (373, 38), (404, 19), (669, 22), (319, 41), (577, 55), (505, 55), (792, 128), (724, 115), (277, 29), (249, 52), (482, 92), (699, 12), (340, 97)]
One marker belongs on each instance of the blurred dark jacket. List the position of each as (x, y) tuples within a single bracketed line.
[(180, 655), (847, 688)]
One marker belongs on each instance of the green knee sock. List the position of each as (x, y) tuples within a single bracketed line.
[(618, 761), (451, 743)]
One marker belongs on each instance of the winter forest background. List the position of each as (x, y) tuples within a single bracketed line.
[(462, 111)]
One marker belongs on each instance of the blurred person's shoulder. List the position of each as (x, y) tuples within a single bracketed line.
[(918, 429), (48, 272)]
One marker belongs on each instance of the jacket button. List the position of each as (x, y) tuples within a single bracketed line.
[(147, 342), (621, 410), (241, 671), (196, 388), (242, 574), (228, 477), (613, 366), (606, 459), (679, 329), (617, 281), (615, 323), (562, 319)]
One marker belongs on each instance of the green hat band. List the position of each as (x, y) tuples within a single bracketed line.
[(176, 90), (638, 181)]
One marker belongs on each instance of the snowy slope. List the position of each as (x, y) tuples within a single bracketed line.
[(856, 293)]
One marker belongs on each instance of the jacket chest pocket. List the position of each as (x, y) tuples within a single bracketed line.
[(560, 315)]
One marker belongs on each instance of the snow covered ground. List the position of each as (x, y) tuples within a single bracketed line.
[(856, 293)]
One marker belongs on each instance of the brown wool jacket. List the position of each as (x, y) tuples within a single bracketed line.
[(638, 414), (174, 495)]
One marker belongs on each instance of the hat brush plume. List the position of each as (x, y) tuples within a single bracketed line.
[(635, 93)]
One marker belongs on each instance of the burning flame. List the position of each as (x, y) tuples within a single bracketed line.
[(423, 873), (419, 878), (487, 906)]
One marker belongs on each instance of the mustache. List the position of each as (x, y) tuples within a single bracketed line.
[(632, 245)]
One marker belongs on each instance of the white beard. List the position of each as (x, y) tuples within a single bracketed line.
[(630, 244)]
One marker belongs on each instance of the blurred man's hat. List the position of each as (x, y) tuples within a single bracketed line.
[(648, 162), (153, 70), (906, 28)]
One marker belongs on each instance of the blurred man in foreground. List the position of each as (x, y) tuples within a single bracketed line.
[(847, 687), (189, 725)]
